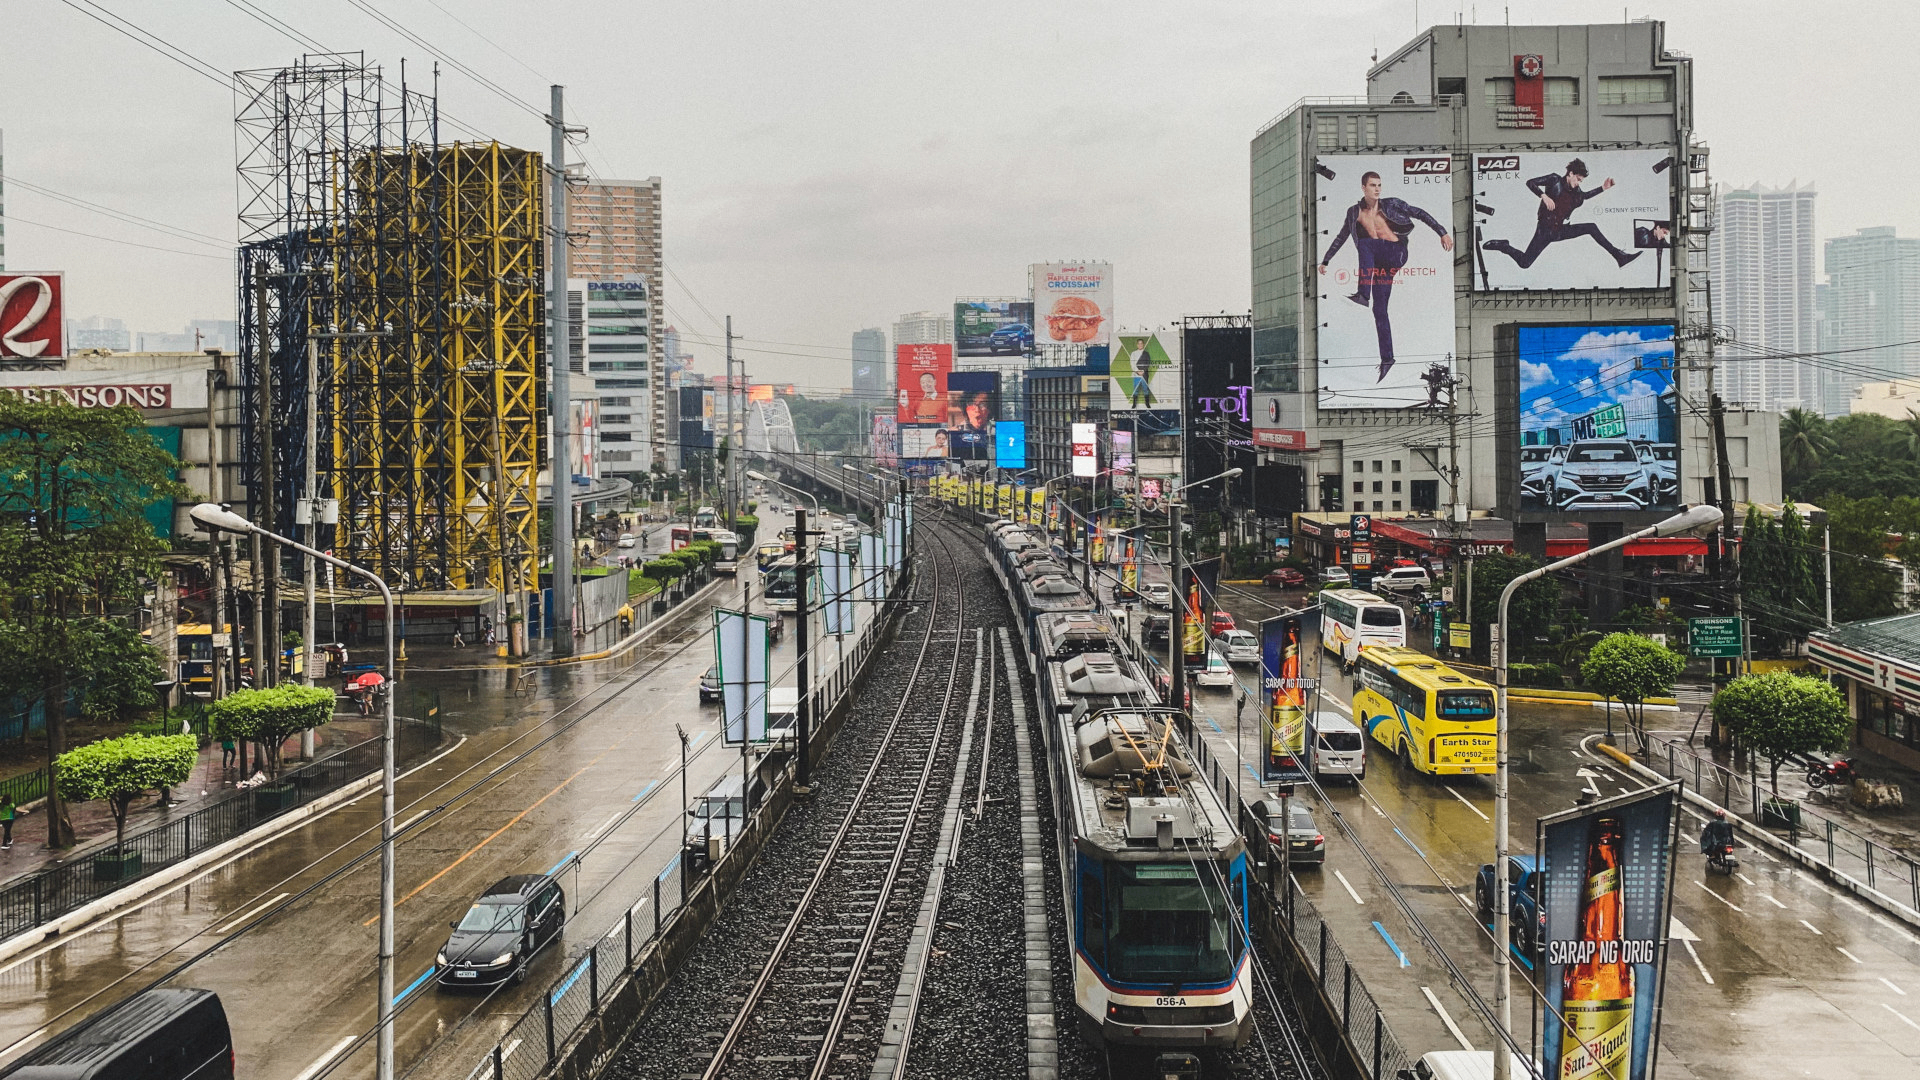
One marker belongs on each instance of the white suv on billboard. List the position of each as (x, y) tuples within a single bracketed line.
[(1604, 472)]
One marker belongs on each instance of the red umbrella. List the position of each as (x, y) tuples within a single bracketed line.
[(368, 681)]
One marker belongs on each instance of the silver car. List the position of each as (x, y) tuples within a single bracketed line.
[(1603, 472)]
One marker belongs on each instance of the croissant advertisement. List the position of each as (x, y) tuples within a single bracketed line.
[(1607, 898), (1072, 303)]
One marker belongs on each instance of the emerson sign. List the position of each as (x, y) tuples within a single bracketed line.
[(113, 395)]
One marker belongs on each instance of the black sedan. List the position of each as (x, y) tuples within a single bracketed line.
[(502, 931)]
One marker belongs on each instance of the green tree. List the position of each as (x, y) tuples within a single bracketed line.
[(121, 770), (75, 547), (1632, 669), (120, 678), (1780, 714), (269, 716), (1530, 614), (1804, 441), (1864, 585)]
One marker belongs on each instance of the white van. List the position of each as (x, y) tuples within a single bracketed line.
[(1403, 579), (1462, 1065), (1338, 749), (783, 717)]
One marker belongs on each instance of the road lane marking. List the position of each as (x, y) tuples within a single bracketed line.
[(1348, 886), (1408, 842), (1748, 880), (1892, 987), (414, 985), (1251, 772), (651, 784), (1768, 897), (1453, 1029), (1701, 818), (569, 857), (1848, 955), (1811, 927), (1624, 791), (1368, 799), (1718, 897), (251, 912), (1696, 961), (1216, 727), (1903, 1016), (1470, 806), (603, 826), (1328, 699), (325, 1059), (1388, 938)]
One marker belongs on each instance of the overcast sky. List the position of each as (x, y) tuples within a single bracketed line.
[(830, 165)]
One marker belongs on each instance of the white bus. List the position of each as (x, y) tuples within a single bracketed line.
[(1352, 618)]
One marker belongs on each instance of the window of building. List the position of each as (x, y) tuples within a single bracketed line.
[(1326, 132), (1396, 464), (624, 402), (617, 455), (1353, 131), (1378, 506), (1558, 91), (1376, 487), (618, 347), (1446, 87), (1378, 465), (1635, 89), (1499, 91), (616, 436), (1396, 504), (1359, 487), (1395, 489), (1359, 466), (1425, 495), (627, 418)]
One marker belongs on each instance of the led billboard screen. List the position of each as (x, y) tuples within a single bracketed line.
[(973, 400), (1010, 444), (1074, 302), (1144, 373), (1599, 418), (923, 441), (1381, 232), (992, 327), (886, 440), (921, 372), (1588, 219)]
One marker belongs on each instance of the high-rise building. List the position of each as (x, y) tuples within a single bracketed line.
[(1761, 255), (1872, 312), (612, 325), (924, 328), (871, 372), (617, 228), (99, 332)]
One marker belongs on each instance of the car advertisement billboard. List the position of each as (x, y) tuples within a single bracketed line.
[(886, 440), (1283, 692), (920, 441), (921, 372), (1010, 444), (33, 316), (1607, 897), (1144, 373), (1382, 236), (1073, 302), (1589, 219), (992, 327), (973, 400), (1599, 418)]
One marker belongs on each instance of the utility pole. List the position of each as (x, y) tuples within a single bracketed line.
[(726, 490), (311, 533), (1729, 560), (802, 577), (561, 421), (1177, 619), (216, 493), (266, 594)]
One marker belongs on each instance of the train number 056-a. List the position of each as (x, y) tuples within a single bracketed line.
[(1169, 1001)]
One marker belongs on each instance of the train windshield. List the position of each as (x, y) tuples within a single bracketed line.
[(1170, 924)]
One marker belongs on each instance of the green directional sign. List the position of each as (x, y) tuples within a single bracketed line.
[(1715, 635)]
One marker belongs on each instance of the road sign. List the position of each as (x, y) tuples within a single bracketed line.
[(1460, 635), (1715, 635), (1437, 628)]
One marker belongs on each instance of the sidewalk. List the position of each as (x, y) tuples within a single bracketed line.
[(93, 821)]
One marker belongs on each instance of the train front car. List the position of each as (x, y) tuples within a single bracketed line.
[(1157, 876)]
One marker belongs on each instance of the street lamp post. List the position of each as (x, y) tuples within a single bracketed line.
[(214, 519), (788, 488), (1691, 520)]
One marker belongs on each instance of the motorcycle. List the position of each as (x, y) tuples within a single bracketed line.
[(1839, 772), (1721, 859)]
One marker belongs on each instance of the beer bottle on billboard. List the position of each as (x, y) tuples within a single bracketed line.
[(1596, 998)]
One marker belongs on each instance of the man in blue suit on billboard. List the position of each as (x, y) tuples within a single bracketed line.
[(1380, 228)]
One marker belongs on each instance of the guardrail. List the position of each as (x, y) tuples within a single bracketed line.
[(1888, 871)]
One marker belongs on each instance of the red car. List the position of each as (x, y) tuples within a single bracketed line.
[(1220, 623), (1163, 685), (1286, 577)]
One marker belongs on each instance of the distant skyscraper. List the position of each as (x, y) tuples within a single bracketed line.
[(923, 328), (870, 367), (1761, 253), (617, 228), (1873, 305), (96, 332)]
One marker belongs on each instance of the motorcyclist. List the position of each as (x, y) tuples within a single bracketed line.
[(1717, 836)]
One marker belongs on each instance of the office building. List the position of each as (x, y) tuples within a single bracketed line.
[(98, 332), (872, 371), (1762, 255), (1871, 315), (617, 225), (612, 325), (924, 328)]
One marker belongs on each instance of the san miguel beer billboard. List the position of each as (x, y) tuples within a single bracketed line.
[(1608, 896)]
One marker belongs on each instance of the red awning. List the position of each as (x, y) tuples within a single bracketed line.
[(1655, 545)]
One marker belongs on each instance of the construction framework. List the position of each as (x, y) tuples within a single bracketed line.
[(415, 273)]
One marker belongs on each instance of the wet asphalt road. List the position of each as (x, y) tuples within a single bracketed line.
[(301, 983), (1787, 977)]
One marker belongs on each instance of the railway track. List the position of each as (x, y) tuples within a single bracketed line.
[(813, 1007)]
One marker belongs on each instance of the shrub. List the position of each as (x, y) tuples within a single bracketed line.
[(268, 716), (746, 524), (1542, 676), (121, 770), (665, 568)]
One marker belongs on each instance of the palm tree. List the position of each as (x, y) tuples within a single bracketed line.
[(1804, 440), (1911, 425)]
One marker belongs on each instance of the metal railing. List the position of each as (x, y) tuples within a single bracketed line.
[(1891, 872), (25, 787), (42, 896)]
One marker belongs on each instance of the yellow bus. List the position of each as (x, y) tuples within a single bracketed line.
[(1431, 716)]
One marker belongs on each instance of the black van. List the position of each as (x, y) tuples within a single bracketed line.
[(163, 1034)]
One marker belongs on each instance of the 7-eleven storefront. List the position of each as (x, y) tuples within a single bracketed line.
[(1876, 663)]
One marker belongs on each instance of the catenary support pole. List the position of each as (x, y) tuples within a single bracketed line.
[(561, 422)]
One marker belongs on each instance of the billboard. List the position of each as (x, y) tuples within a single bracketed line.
[(973, 400), (992, 327), (1010, 444), (1599, 417), (1144, 373), (33, 316), (1607, 896), (886, 440), (1386, 276), (740, 653), (1085, 450), (1197, 592), (921, 372), (923, 441), (1074, 302), (1590, 219), (1284, 695)]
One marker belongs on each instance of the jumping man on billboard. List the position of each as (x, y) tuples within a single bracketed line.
[(1560, 195), (1380, 228)]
